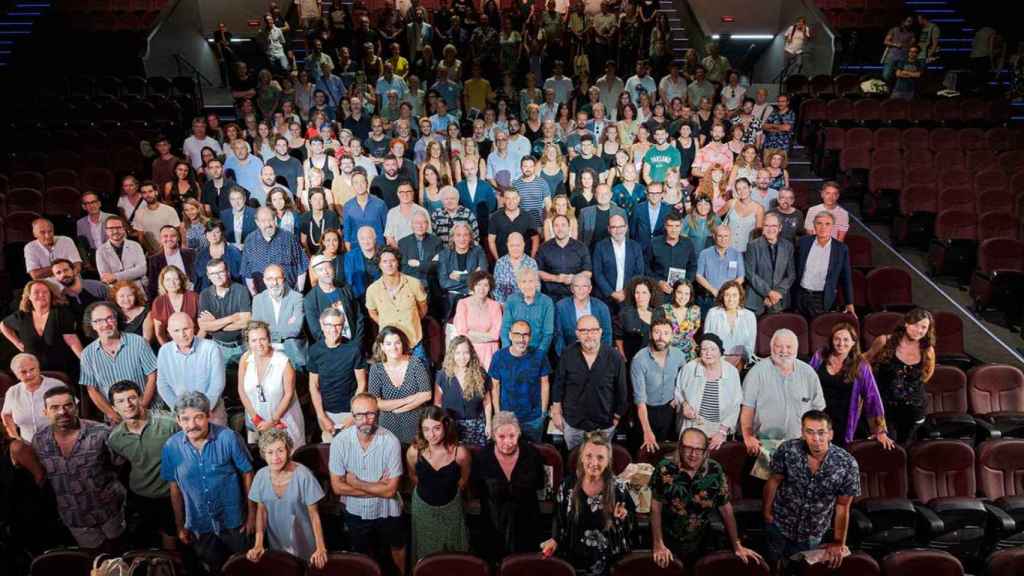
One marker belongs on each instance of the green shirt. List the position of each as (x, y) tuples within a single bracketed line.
[(661, 160), (687, 503), (143, 452)]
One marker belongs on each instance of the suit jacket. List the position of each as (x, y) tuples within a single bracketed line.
[(448, 262), (481, 205), (316, 302), (158, 261), (130, 266), (760, 278), (83, 232), (565, 322), (641, 228), (588, 220), (839, 276), (605, 271), (287, 329), (431, 247), (248, 224)]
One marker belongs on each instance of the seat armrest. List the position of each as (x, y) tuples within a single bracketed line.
[(928, 521), (862, 525), (987, 430), (1001, 522)]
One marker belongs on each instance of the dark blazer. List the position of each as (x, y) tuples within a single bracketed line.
[(565, 322), (482, 205), (316, 302), (760, 280), (448, 262), (605, 271), (218, 202), (641, 228), (157, 262), (431, 247), (839, 276), (248, 224)]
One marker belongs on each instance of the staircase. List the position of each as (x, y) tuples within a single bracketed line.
[(16, 26), (679, 42)]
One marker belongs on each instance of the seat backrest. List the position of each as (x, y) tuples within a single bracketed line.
[(914, 138), (956, 224), (719, 563), (889, 285), (860, 250), (552, 458), (449, 564), (997, 223), (917, 562), (732, 456), (949, 331), (1001, 468), (1009, 562), (942, 468), (821, 327), (856, 564), (62, 561), (877, 324), (273, 562), (532, 564), (1001, 254), (642, 562), (918, 198), (995, 388), (348, 564), (317, 458), (947, 390), (883, 473), (767, 326)]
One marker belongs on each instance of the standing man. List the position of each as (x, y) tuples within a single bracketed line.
[(139, 439), (216, 188), (366, 468), (571, 308), (337, 373), (224, 310), (778, 128), (560, 258), (611, 86), (508, 219), (90, 228), (194, 144), (648, 219), (209, 472), (171, 254), (661, 157), (791, 219), (616, 260), (281, 308), (653, 372), (239, 218), (534, 192), (716, 265), (531, 306), (796, 38), (823, 269), (191, 364), (78, 292), (112, 357), (810, 480), (332, 292), (271, 245), (151, 217), (769, 268), (829, 203), (590, 383), (82, 472), (671, 255), (503, 166), (398, 300), (419, 251), (475, 194), (286, 166), (118, 258), (519, 381), (444, 219)]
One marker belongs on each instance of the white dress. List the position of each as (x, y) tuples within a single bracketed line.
[(266, 403)]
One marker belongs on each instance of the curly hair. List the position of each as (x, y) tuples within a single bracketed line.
[(652, 287), (720, 298), (707, 187), (140, 296), (927, 343), (473, 382)]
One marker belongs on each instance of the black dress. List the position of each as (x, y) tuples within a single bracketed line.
[(901, 387), (510, 506), (51, 350), (632, 330), (838, 393), (135, 325)]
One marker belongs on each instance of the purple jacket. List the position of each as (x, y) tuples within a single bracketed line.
[(865, 395)]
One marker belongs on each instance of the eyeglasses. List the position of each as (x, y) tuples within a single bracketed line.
[(588, 330), (520, 334), (365, 415), (696, 451), (106, 320)]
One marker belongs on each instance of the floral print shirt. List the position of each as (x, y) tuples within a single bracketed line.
[(683, 333), (687, 503), (804, 501), (583, 538)]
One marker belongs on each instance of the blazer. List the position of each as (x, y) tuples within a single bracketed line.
[(130, 266), (484, 202), (839, 275), (431, 248), (156, 264), (448, 262), (316, 301), (641, 228), (565, 322), (605, 271), (83, 232), (248, 224), (355, 273), (760, 279), (588, 220), (287, 329)]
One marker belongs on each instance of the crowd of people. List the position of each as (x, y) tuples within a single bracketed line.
[(597, 255)]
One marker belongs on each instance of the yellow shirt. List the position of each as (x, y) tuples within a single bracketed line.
[(399, 65), (477, 91), (399, 308)]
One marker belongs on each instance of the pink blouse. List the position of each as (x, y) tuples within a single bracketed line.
[(465, 321)]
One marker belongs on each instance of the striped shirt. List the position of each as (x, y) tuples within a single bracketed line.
[(532, 195), (133, 360), (709, 404), (382, 458)]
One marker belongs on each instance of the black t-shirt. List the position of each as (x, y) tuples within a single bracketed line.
[(600, 226), (237, 299), (500, 226), (579, 164), (386, 190), (289, 170), (336, 368), (377, 148)]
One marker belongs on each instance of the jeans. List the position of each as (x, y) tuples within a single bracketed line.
[(214, 549), (781, 547), (231, 353), (574, 436), (534, 429)]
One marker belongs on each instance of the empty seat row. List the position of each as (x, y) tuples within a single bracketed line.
[(918, 111)]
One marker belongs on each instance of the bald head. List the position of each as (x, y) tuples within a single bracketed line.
[(181, 330)]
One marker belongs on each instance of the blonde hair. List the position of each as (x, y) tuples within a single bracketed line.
[(473, 382), (171, 269), (201, 215), (56, 298)]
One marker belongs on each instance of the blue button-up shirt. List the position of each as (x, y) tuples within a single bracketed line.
[(201, 369), (540, 315), (719, 269), (334, 87), (208, 479), (282, 249), (374, 215)]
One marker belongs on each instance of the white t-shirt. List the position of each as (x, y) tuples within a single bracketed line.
[(151, 221), (26, 408), (842, 219), (39, 256), (795, 43), (673, 90), (193, 149)]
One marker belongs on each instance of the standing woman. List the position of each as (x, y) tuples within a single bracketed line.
[(610, 144), (174, 296), (708, 393), (44, 326), (633, 324), (430, 187), (849, 387), (266, 387), (437, 159), (330, 247), (903, 362), (317, 221), (560, 206), (776, 164), (553, 168), (183, 186), (478, 317), (439, 469), (595, 516), (286, 494), (699, 225), (584, 193), (713, 186), (747, 165), (193, 225), (217, 247), (733, 324), (688, 147), (684, 316), (463, 390), (284, 209), (744, 215), (400, 382), (627, 124)]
